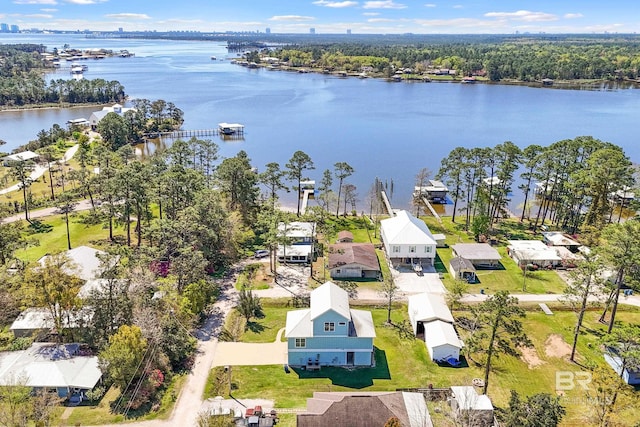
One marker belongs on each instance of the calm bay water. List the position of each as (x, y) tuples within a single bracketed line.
[(388, 130)]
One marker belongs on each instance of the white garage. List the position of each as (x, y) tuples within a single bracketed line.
[(424, 308), (442, 340)]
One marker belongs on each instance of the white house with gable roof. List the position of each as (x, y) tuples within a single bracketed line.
[(96, 116), (407, 240)]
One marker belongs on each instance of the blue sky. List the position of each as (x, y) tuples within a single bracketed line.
[(327, 16)]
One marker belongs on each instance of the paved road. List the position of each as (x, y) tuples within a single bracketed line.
[(39, 169), (83, 205)]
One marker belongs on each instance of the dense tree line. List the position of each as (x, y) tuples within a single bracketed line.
[(22, 81), (146, 117), (520, 59), (578, 184)]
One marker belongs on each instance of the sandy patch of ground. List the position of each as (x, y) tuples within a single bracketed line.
[(555, 346), (530, 357)]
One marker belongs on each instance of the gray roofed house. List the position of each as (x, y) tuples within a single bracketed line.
[(85, 260), (526, 252), (46, 365), (301, 236), (463, 269), (38, 320), (365, 409), (480, 254)]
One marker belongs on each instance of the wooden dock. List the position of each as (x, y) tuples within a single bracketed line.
[(386, 202), (305, 200), (176, 134), (431, 209)]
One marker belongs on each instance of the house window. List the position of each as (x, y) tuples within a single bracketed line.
[(396, 249), (342, 323), (329, 326), (301, 342), (427, 249), (338, 271), (412, 249)]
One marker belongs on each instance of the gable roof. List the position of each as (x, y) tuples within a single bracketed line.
[(363, 323), (468, 399), (329, 297), (461, 264), (50, 365), (405, 229), (353, 253), (297, 229), (345, 235), (86, 261), (427, 307), (439, 333)]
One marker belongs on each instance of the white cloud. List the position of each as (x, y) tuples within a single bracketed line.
[(456, 23), (39, 15), (49, 10), (523, 15), (128, 16), (83, 2), (296, 18), (383, 4), (335, 4), (35, 1), (458, 6), (371, 13), (430, 5), (375, 20), (573, 15)]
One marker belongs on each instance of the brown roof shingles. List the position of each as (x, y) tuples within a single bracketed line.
[(356, 411), (353, 253)]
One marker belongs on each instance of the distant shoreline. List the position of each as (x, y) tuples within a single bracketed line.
[(34, 107)]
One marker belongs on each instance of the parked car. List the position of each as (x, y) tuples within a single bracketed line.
[(261, 253)]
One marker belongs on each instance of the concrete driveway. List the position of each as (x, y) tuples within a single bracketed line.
[(412, 283), (251, 354)]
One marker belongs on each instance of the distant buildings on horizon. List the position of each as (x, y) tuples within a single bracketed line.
[(6, 28)]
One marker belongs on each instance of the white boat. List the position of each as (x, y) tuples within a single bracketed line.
[(213, 58), (77, 69)]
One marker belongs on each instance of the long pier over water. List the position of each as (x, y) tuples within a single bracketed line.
[(189, 133)]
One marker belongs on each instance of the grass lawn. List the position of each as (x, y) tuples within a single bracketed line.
[(101, 413), (404, 363), (360, 226), (508, 278), (56, 239)]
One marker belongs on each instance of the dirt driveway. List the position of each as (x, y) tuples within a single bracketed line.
[(251, 354)]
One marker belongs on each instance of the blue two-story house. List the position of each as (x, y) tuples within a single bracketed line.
[(329, 333)]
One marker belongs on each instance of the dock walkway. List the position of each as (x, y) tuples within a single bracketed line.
[(431, 209), (386, 202), (237, 133), (305, 200)]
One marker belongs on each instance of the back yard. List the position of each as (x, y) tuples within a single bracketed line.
[(403, 362)]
